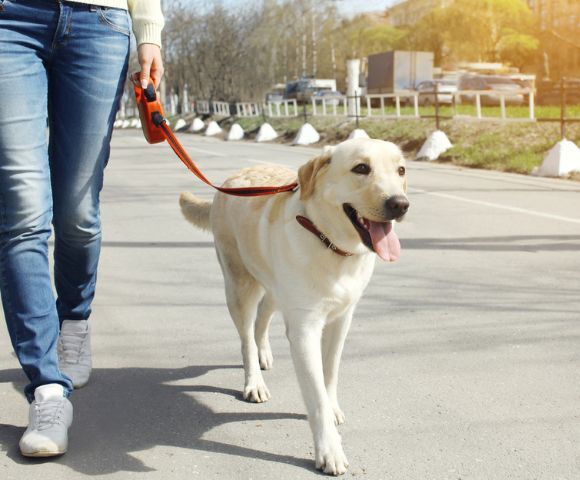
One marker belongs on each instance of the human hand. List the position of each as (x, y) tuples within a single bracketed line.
[(151, 65)]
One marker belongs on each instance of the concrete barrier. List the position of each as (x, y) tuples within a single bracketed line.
[(236, 132), (197, 125), (212, 129), (562, 159), (436, 144), (180, 125), (307, 135), (266, 133), (358, 133)]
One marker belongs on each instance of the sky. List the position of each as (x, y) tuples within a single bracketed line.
[(347, 7)]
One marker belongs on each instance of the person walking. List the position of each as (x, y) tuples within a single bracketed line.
[(62, 63)]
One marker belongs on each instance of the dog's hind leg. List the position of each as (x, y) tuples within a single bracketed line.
[(243, 293), (265, 311), (333, 339)]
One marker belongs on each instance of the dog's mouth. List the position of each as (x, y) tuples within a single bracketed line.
[(379, 237)]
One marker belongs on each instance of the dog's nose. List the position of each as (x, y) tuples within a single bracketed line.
[(396, 206)]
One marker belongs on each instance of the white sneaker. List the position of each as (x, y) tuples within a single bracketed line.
[(49, 418), (74, 351)]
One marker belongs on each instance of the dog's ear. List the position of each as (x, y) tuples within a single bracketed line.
[(308, 172)]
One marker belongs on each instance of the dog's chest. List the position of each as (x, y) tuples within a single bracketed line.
[(344, 282)]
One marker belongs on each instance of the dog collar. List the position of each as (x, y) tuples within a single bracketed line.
[(308, 225)]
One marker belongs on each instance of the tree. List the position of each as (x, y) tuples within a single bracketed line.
[(476, 27), (518, 49), (428, 35)]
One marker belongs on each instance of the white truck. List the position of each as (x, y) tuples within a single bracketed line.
[(392, 72)]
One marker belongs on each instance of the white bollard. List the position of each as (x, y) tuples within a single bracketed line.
[(358, 133), (266, 133), (135, 123), (236, 132), (436, 144), (197, 125), (562, 159), (307, 135), (212, 129)]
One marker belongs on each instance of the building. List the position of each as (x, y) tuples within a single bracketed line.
[(559, 22), (409, 12)]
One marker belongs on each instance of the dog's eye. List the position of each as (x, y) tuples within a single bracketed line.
[(362, 169), (402, 171)]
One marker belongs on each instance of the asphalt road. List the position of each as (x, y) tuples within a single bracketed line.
[(463, 361)]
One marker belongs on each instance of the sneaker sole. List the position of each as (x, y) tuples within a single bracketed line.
[(43, 454)]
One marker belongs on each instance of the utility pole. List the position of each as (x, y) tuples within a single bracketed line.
[(314, 43), (304, 39)]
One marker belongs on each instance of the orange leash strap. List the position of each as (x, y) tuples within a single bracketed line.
[(156, 130)]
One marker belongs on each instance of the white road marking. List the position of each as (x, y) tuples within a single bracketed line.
[(213, 153), (498, 206)]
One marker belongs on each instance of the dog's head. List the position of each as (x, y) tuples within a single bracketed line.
[(362, 185)]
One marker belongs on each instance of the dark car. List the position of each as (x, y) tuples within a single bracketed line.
[(494, 84), (445, 91)]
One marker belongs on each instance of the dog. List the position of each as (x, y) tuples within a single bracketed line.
[(308, 254)]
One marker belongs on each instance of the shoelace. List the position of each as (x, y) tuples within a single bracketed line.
[(72, 345), (48, 413)]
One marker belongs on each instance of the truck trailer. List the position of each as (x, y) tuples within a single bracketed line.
[(392, 72)]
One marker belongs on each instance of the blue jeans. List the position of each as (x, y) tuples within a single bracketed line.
[(65, 64)]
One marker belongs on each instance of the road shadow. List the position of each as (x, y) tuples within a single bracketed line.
[(135, 409)]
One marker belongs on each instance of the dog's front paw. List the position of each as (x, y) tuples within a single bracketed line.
[(266, 357), (339, 416), (330, 458), (256, 392)]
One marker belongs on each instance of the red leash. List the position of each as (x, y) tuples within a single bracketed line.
[(156, 130)]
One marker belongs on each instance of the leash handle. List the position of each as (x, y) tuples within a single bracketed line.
[(156, 130)]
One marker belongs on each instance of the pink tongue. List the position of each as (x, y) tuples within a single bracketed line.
[(385, 241)]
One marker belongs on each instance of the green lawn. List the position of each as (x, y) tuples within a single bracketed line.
[(506, 146)]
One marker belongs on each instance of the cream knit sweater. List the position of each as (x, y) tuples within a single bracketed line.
[(146, 17)]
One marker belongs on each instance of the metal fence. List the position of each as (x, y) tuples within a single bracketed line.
[(284, 108), (400, 105)]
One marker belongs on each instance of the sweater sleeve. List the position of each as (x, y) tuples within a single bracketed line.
[(147, 20)]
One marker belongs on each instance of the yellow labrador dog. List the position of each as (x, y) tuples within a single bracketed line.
[(308, 254)]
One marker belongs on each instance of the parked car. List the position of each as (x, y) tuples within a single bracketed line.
[(329, 97), (306, 87), (492, 83), (274, 97), (445, 91)]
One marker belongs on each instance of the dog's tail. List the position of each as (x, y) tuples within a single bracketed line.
[(195, 210)]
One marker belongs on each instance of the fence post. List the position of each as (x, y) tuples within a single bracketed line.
[(502, 105), (563, 108), (416, 104), (398, 105), (531, 104), (437, 105), (478, 105), (356, 108)]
